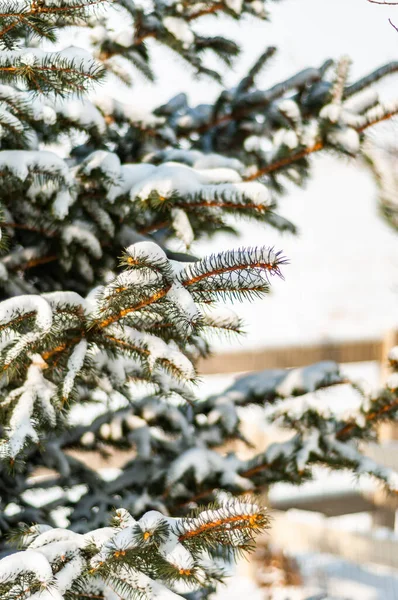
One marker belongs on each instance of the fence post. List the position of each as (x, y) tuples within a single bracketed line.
[(387, 431)]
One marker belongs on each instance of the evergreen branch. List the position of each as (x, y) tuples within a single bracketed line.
[(371, 418), (377, 117), (17, 320), (68, 70), (206, 11), (218, 204), (203, 12), (29, 18), (248, 81), (218, 523), (263, 259), (154, 227), (253, 101), (126, 311), (373, 77), (35, 262), (39, 8), (139, 558), (25, 227), (50, 71), (286, 161)]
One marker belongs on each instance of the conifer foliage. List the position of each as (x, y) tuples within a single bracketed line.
[(94, 303)]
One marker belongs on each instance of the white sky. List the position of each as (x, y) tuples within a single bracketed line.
[(343, 278)]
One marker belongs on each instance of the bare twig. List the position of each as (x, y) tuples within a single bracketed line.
[(384, 2), (391, 23)]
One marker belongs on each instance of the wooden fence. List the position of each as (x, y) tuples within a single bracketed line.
[(299, 356)]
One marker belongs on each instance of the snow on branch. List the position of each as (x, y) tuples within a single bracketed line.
[(148, 314), (232, 273), (36, 394), (13, 314), (292, 461), (147, 257), (341, 76), (195, 159), (327, 434), (144, 557), (73, 367), (64, 72), (324, 432), (316, 416), (226, 273), (171, 24), (33, 562), (338, 127), (177, 195), (280, 126), (153, 349), (22, 164), (19, 18), (268, 385)]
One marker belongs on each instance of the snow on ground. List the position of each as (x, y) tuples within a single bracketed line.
[(339, 579), (326, 577)]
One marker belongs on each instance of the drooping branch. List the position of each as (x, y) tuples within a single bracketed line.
[(374, 118)]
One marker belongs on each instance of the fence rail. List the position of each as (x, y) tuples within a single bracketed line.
[(292, 356)]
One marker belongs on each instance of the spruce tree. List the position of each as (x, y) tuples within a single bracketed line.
[(93, 301)]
